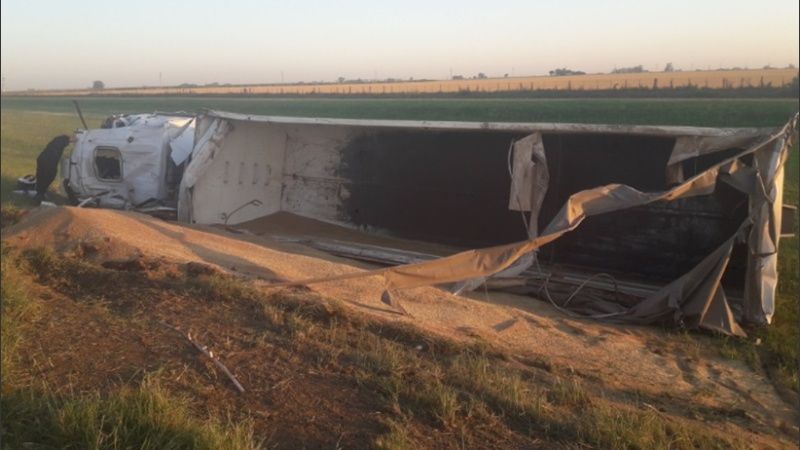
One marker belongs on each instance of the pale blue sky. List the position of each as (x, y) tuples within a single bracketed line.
[(67, 44)]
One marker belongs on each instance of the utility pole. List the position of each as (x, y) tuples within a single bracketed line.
[(160, 84), (281, 77)]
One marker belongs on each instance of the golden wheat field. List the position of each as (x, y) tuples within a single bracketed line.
[(657, 80)]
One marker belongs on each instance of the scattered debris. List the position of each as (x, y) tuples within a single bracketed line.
[(204, 350), (390, 300)]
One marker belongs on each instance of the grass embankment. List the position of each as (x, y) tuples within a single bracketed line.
[(429, 392), (143, 417)]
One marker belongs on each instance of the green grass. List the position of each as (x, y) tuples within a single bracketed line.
[(16, 310), (23, 136), (145, 417)]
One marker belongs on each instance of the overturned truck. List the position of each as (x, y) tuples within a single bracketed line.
[(633, 224)]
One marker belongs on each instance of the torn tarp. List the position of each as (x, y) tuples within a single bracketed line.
[(182, 144), (696, 299)]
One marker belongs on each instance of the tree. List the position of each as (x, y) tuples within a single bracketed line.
[(340, 79), (481, 76), (634, 69), (669, 67), (98, 85), (565, 72)]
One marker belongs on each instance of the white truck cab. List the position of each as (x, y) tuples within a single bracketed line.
[(132, 161)]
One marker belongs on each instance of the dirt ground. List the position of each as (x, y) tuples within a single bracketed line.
[(310, 400), (100, 350)]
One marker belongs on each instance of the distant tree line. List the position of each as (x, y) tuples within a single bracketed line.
[(479, 76), (632, 69), (99, 85), (564, 72)]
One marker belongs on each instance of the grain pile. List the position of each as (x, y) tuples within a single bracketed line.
[(644, 359)]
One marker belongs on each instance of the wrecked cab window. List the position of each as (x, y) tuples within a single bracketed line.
[(108, 163)]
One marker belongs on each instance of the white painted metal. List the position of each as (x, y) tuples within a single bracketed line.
[(143, 143)]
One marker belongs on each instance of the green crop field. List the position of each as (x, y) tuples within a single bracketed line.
[(28, 123), (697, 112)]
